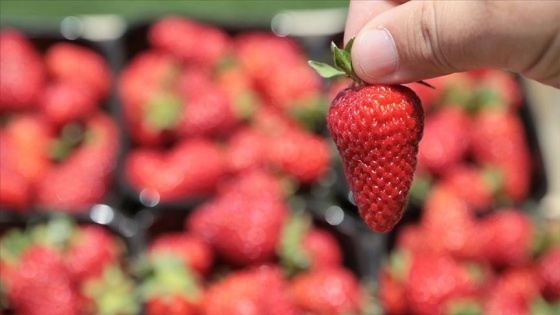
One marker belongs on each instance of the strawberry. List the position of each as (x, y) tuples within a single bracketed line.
[(327, 291), (428, 96), (246, 150), (473, 184), (445, 141), (151, 106), (83, 176), (22, 73), (547, 269), (72, 63), (193, 252), (15, 190), (257, 183), (434, 280), (192, 168), (513, 293), (391, 293), (376, 129), (301, 155), (242, 227), (507, 237), (252, 291), (497, 88), (498, 140), (41, 284), (191, 41), (64, 102), (304, 246), (91, 249), (238, 85)]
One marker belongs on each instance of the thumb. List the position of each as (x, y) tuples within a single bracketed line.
[(423, 39)]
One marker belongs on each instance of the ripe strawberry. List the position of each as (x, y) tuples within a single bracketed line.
[(69, 62), (84, 175), (327, 291), (193, 252), (151, 105), (257, 183), (15, 190), (497, 88), (192, 168), (445, 141), (41, 284), (246, 150), (507, 237), (301, 155), (376, 129), (512, 293), (242, 227), (435, 279), (391, 293), (549, 277), (412, 238), (170, 305), (90, 251), (64, 102), (238, 85), (191, 41), (427, 95), (22, 73), (473, 184), (322, 247), (253, 291), (498, 140)]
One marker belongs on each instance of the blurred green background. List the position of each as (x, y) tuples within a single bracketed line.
[(241, 11)]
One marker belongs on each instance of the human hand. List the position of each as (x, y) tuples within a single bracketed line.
[(400, 42)]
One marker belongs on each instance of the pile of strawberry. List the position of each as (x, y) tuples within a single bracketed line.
[(473, 249), (60, 267), (57, 145), (244, 252), (202, 106)]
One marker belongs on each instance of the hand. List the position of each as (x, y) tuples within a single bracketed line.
[(401, 43)]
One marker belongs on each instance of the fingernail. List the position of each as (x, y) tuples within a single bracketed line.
[(376, 53)]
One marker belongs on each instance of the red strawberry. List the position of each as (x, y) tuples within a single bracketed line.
[(435, 279), (299, 154), (84, 175), (257, 183), (151, 105), (376, 129), (412, 238), (498, 140), (192, 168), (239, 87), (507, 237), (259, 290), (64, 102), (391, 294), (79, 65), (193, 252), (15, 190), (322, 247), (428, 96), (512, 293), (41, 284), (22, 73), (242, 227), (91, 249), (497, 88), (474, 185), (548, 274), (189, 40), (246, 150), (445, 141), (327, 291), (170, 305)]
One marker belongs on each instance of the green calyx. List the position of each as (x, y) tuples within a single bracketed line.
[(342, 63), (163, 111), (71, 136), (292, 255)]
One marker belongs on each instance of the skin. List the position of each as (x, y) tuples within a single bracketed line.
[(434, 38)]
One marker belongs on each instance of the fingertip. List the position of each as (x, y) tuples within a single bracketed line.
[(374, 54)]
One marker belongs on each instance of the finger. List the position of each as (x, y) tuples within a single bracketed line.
[(360, 12), (422, 39)]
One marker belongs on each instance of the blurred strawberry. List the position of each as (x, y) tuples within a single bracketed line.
[(336, 85), (90, 251), (272, 122), (428, 96), (246, 150), (506, 238), (391, 293), (498, 141), (301, 155), (412, 238), (433, 280), (15, 190), (83, 176), (304, 246), (239, 87), (497, 88), (191, 41), (192, 168), (253, 291), (445, 141), (66, 101), (41, 284), (476, 186), (152, 106), (327, 291), (22, 73), (255, 184), (513, 293), (193, 252), (76, 64), (549, 277), (170, 288), (242, 227)]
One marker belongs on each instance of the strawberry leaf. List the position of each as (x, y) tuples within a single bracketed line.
[(325, 70)]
